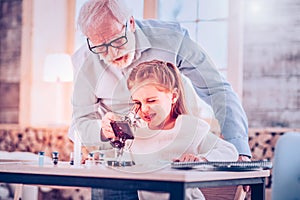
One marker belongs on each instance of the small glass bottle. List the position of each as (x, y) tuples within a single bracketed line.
[(72, 158), (55, 157), (41, 158), (90, 161)]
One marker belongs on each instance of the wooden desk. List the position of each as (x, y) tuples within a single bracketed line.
[(166, 180)]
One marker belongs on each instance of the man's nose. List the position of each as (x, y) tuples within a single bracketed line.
[(112, 52)]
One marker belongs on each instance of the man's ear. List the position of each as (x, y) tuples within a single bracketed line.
[(132, 24)]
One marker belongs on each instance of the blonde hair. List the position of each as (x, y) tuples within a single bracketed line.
[(165, 75), (94, 12)]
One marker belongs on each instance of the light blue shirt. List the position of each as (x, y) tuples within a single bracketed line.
[(99, 88)]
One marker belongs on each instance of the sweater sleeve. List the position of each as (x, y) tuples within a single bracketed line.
[(214, 148)]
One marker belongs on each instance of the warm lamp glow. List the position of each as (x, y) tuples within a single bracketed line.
[(58, 68)]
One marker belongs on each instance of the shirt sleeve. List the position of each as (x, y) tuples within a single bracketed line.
[(86, 120), (216, 91)]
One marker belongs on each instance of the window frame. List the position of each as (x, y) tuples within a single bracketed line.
[(234, 68)]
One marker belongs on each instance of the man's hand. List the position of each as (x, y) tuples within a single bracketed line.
[(245, 158), (106, 128)]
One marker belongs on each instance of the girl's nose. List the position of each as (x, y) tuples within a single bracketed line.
[(144, 108)]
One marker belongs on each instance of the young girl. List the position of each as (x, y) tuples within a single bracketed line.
[(172, 133)]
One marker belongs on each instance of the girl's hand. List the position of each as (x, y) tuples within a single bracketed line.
[(190, 158), (106, 128)]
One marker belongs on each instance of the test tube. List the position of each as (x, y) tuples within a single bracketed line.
[(41, 158), (72, 158)]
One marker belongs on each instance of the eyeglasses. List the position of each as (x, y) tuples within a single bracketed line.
[(116, 43)]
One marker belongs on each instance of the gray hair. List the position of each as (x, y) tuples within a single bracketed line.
[(94, 12)]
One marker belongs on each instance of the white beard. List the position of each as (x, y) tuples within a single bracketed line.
[(125, 62)]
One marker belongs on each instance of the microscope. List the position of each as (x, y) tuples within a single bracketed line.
[(123, 132)]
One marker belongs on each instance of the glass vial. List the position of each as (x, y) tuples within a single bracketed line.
[(90, 161), (55, 155), (72, 158), (41, 158)]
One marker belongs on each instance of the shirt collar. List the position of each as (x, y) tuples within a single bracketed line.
[(142, 42)]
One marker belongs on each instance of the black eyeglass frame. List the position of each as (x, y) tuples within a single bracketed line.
[(110, 44)]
